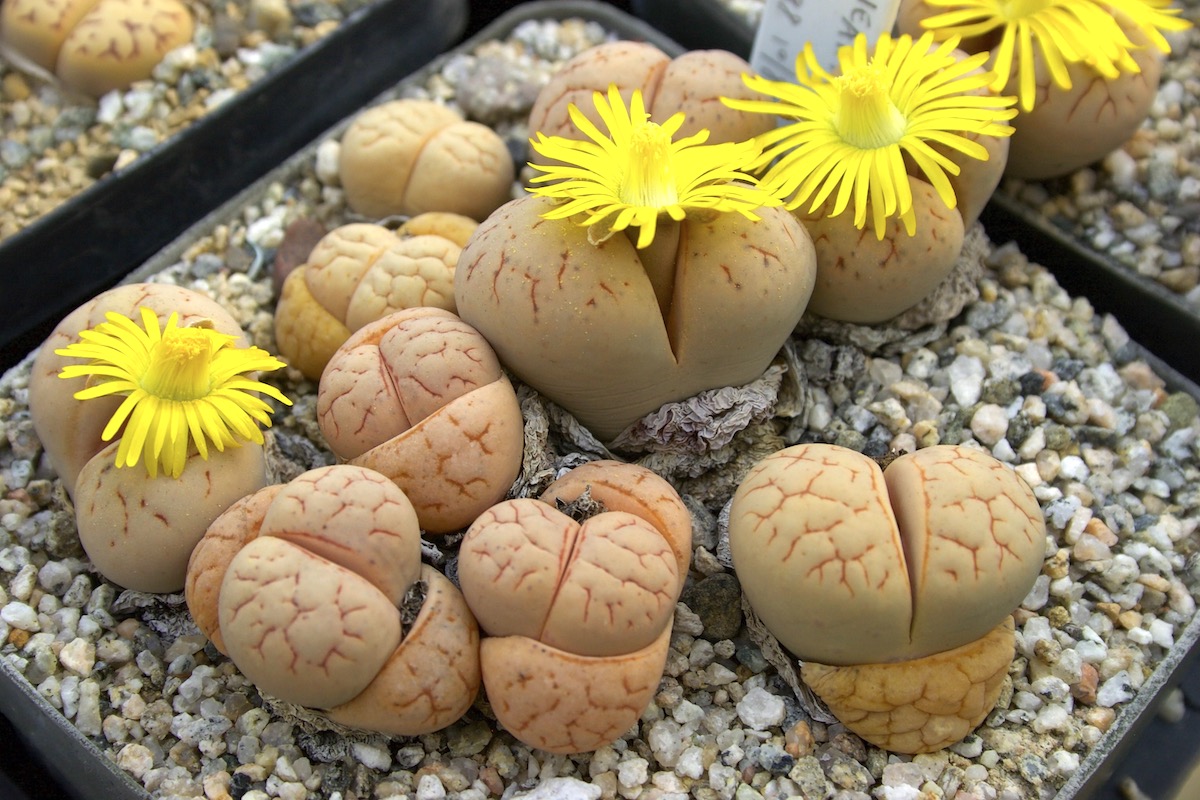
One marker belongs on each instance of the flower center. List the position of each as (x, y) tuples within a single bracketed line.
[(647, 180), (179, 365), (867, 118), (1022, 9)]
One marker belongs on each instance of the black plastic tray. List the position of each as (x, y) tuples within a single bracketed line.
[(79, 765), (93, 240), (699, 24), (1152, 314)]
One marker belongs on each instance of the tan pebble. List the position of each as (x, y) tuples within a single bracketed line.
[(325, 27), (1085, 690), (799, 741), (1058, 616), (124, 159), (1110, 610), (492, 780), (1058, 565), (18, 638), (1101, 718), (254, 772), (1181, 280), (128, 628), (1156, 582), (1140, 375), (15, 86), (1129, 619), (273, 17), (216, 785), (1023, 615), (1097, 527)]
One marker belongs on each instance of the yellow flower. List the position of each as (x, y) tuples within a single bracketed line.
[(636, 171), (851, 132), (180, 384), (1063, 31)]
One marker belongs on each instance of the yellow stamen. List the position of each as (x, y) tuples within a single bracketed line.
[(632, 172), (867, 118), (180, 386), (179, 365), (647, 180)]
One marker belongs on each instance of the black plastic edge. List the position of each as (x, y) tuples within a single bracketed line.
[(21, 705), (93, 240), (1153, 316), (698, 24), (68, 756)]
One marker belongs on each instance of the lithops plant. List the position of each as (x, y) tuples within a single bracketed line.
[(316, 591), (411, 156), (360, 272), (577, 604), (900, 129), (94, 46), (611, 324), (894, 587), (173, 390), (420, 397), (690, 83), (1086, 72)]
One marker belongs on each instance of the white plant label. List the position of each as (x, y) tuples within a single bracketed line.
[(829, 24)]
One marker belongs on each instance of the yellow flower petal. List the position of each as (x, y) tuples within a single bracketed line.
[(181, 385), (635, 170), (847, 133), (1063, 31)]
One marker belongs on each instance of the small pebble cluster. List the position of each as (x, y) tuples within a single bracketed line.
[(1027, 373), (56, 143)]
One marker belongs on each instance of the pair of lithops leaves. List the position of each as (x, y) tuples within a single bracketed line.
[(361, 272), (315, 589), (611, 332), (137, 531), (1067, 128), (894, 587), (576, 591), (94, 46)]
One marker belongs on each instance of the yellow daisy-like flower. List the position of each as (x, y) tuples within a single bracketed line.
[(852, 131), (636, 171), (1063, 31), (180, 384)]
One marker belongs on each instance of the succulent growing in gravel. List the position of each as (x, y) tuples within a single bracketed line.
[(1086, 71), (94, 46), (360, 272), (689, 83), (576, 592), (906, 130), (180, 397), (412, 156), (316, 590), (420, 397), (610, 323), (894, 587)]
